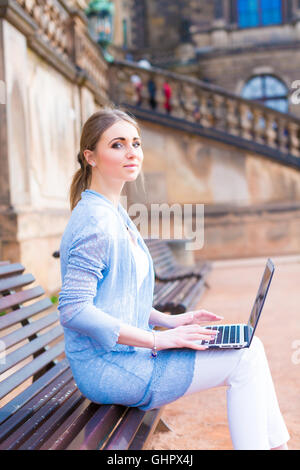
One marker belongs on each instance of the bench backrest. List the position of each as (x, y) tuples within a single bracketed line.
[(31, 337), (163, 259)]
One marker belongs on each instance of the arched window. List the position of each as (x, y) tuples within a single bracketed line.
[(268, 90), (258, 12)]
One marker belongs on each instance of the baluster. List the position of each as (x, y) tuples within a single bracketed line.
[(218, 102), (160, 97), (246, 121), (232, 122), (258, 125), (145, 92), (125, 88), (189, 100), (204, 109), (271, 130), (176, 100), (294, 142), (282, 136)]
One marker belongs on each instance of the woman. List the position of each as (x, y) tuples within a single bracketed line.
[(106, 308)]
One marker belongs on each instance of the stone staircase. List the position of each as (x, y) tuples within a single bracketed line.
[(207, 110)]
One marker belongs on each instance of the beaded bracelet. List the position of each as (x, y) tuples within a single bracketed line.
[(154, 349)]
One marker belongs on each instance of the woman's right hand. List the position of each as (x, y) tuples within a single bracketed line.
[(183, 337)]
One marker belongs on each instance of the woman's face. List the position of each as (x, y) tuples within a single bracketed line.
[(119, 147)]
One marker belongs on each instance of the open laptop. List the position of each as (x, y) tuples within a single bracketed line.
[(240, 335)]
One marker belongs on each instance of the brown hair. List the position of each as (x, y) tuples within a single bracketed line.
[(91, 133)]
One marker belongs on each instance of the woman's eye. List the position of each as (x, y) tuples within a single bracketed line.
[(119, 143)]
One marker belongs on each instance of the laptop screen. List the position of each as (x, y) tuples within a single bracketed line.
[(260, 298)]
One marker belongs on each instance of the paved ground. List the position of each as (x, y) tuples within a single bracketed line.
[(199, 421)]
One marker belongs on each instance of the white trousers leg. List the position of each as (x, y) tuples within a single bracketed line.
[(254, 417)]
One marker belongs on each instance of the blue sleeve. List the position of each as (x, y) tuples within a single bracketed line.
[(84, 271)]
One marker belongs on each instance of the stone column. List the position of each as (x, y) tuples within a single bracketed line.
[(14, 177)]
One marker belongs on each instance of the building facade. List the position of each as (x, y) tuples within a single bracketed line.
[(250, 48)]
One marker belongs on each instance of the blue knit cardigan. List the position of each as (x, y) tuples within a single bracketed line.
[(99, 293)]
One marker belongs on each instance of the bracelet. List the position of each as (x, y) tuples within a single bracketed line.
[(154, 349)]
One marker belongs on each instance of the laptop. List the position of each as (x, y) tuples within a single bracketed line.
[(240, 335)]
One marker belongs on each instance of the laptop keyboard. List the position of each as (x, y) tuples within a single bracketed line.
[(227, 334)]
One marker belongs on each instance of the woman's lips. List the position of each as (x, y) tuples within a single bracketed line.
[(131, 166)]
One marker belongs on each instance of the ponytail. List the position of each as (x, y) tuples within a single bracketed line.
[(81, 181)]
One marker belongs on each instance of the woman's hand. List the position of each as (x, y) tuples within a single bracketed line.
[(184, 336), (192, 317)]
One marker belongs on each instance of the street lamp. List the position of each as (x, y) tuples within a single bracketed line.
[(100, 24)]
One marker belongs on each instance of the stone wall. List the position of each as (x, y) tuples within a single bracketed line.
[(52, 85), (251, 203)]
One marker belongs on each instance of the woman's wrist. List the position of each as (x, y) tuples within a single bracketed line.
[(154, 346), (162, 319)]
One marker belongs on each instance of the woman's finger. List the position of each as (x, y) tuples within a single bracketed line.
[(195, 328), (198, 337), (191, 345)]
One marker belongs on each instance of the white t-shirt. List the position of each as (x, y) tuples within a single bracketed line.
[(141, 259)]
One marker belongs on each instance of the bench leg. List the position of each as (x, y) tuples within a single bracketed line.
[(162, 426)]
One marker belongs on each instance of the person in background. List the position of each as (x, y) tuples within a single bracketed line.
[(168, 93)]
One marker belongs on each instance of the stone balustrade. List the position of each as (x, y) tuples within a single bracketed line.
[(207, 105), (62, 29), (51, 18)]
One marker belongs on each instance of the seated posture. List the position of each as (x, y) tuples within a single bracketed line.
[(106, 298)]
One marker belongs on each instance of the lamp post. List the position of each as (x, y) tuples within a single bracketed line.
[(100, 15)]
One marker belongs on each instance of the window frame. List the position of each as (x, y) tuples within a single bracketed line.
[(262, 100), (286, 15)]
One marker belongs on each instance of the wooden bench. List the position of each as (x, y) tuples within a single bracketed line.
[(41, 406), (166, 266), (177, 287)]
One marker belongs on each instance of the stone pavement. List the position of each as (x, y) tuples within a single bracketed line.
[(199, 421)]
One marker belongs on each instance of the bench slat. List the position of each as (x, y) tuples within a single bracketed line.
[(17, 298), (26, 331), (30, 348), (146, 429), (30, 369), (70, 428), (35, 388), (126, 431), (191, 298), (23, 313), (34, 404), (13, 282), (102, 423), (28, 428), (67, 403), (9, 269)]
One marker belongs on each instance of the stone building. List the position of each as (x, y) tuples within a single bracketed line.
[(238, 157), (248, 48)]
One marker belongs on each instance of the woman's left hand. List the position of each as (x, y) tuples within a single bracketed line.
[(193, 316)]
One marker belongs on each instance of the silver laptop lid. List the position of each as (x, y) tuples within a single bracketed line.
[(260, 298)]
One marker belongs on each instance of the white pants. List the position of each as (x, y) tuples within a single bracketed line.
[(254, 417)]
